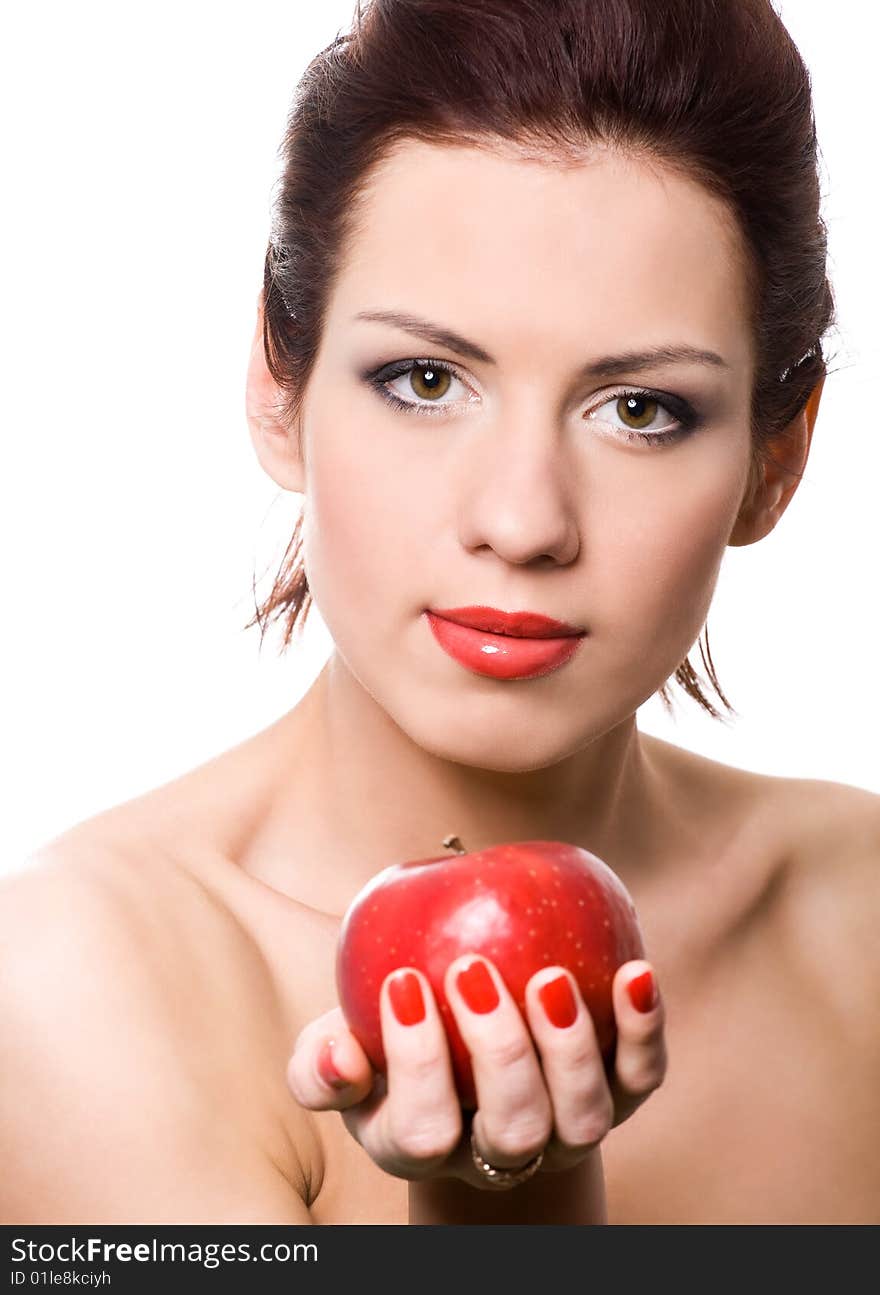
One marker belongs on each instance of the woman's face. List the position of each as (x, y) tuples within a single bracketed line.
[(522, 478)]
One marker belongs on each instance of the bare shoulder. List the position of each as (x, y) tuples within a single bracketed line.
[(821, 843), (809, 847), (842, 816), (81, 906), (832, 836), (807, 821), (139, 1082)]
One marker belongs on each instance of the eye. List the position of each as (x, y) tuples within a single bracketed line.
[(429, 381), (638, 410), (423, 383)]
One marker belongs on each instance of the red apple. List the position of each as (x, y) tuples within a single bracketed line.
[(524, 905)]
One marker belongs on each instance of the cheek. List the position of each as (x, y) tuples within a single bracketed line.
[(659, 558), (365, 510)]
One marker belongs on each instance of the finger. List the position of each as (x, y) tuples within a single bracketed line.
[(329, 1069), (640, 1059), (418, 1123), (514, 1119), (574, 1072)]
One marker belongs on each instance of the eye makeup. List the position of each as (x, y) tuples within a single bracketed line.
[(687, 418)]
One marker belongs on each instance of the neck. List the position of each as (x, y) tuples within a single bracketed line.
[(365, 795)]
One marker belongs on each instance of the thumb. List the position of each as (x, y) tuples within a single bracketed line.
[(329, 1069)]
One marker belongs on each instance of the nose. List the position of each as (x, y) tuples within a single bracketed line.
[(517, 494)]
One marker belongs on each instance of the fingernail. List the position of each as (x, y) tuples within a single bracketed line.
[(477, 988), (558, 1002), (407, 1002), (643, 992), (326, 1069)]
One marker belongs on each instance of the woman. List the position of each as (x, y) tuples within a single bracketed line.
[(541, 331)]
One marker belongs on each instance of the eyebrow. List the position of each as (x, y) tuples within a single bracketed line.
[(603, 366)]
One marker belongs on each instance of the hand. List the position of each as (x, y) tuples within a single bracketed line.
[(557, 1099)]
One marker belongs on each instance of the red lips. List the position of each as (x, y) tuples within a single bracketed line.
[(517, 645), (514, 624)]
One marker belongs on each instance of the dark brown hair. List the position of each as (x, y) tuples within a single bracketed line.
[(713, 88)]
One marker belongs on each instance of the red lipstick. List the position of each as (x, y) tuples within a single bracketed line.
[(504, 645), (517, 624)]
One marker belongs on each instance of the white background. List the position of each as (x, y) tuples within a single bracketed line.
[(139, 160)]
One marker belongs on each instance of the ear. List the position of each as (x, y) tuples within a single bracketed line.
[(772, 486), (276, 444)]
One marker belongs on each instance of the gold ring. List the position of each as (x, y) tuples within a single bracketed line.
[(504, 1178)]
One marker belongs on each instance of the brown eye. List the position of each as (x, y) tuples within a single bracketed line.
[(637, 412), (427, 382)]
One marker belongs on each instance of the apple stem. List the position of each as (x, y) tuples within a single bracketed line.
[(453, 843)]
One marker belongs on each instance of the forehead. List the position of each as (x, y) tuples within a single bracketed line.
[(611, 242)]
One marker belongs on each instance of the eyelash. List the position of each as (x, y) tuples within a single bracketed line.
[(687, 416)]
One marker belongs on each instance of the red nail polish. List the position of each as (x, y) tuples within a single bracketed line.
[(643, 992), (477, 988), (326, 1069), (405, 995), (558, 1002)]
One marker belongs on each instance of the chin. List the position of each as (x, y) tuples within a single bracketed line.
[(515, 743)]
